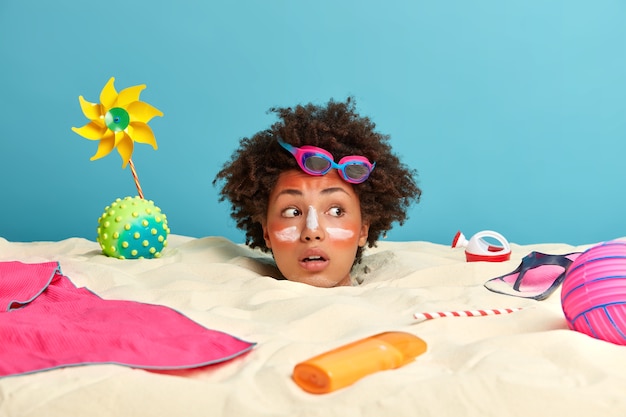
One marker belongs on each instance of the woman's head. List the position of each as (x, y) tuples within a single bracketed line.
[(314, 228), (260, 164)]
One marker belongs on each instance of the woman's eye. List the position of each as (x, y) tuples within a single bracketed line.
[(335, 211), (291, 212)]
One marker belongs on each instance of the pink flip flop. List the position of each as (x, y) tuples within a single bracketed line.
[(537, 276)]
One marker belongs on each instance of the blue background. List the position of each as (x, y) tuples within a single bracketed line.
[(513, 112)]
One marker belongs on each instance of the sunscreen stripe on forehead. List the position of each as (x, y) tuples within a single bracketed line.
[(311, 219)]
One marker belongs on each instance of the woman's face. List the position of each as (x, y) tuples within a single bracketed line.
[(314, 228)]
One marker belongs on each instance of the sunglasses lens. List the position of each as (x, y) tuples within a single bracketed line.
[(316, 163), (357, 172)]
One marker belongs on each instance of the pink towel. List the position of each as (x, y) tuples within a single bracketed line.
[(47, 322)]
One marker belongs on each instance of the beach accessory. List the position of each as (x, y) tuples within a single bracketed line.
[(118, 121), (464, 313), (48, 322), (479, 248), (347, 364), (536, 277), (593, 296), (133, 227), (354, 169)]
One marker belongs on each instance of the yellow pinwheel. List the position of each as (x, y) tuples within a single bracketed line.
[(118, 121)]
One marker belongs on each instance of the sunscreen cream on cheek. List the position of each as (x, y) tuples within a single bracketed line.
[(288, 234), (338, 233)]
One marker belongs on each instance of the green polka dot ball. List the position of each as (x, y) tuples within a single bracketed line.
[(132, 228)]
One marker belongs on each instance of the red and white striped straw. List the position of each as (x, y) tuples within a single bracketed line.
[(465, 313)]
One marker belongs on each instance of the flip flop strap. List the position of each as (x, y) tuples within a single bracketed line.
[(532, 261)]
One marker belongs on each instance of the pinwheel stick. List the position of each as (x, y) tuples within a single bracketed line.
[(135, 177)]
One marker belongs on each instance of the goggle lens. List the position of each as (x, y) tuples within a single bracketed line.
[(316, 163), (357, 172)]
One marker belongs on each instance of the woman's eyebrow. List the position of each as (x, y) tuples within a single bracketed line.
[(289, 191), (297, 192), (333, 190)]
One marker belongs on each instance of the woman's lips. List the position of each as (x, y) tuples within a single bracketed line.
[(314, 260)]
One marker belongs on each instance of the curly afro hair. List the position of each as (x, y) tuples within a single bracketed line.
[(253, 170)]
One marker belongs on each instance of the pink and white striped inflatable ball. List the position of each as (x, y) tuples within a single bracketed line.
[(593, 296)]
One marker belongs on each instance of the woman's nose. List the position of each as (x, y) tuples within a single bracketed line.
[(312, 229), (312, 234)]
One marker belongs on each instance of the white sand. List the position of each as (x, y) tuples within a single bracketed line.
[(521, 364)]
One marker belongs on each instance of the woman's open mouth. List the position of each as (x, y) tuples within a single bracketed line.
[(314, 262)]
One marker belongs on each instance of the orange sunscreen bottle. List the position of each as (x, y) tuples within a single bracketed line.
[(345, 365)]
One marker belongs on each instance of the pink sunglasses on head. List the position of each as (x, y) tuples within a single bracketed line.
[(317, 161)]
